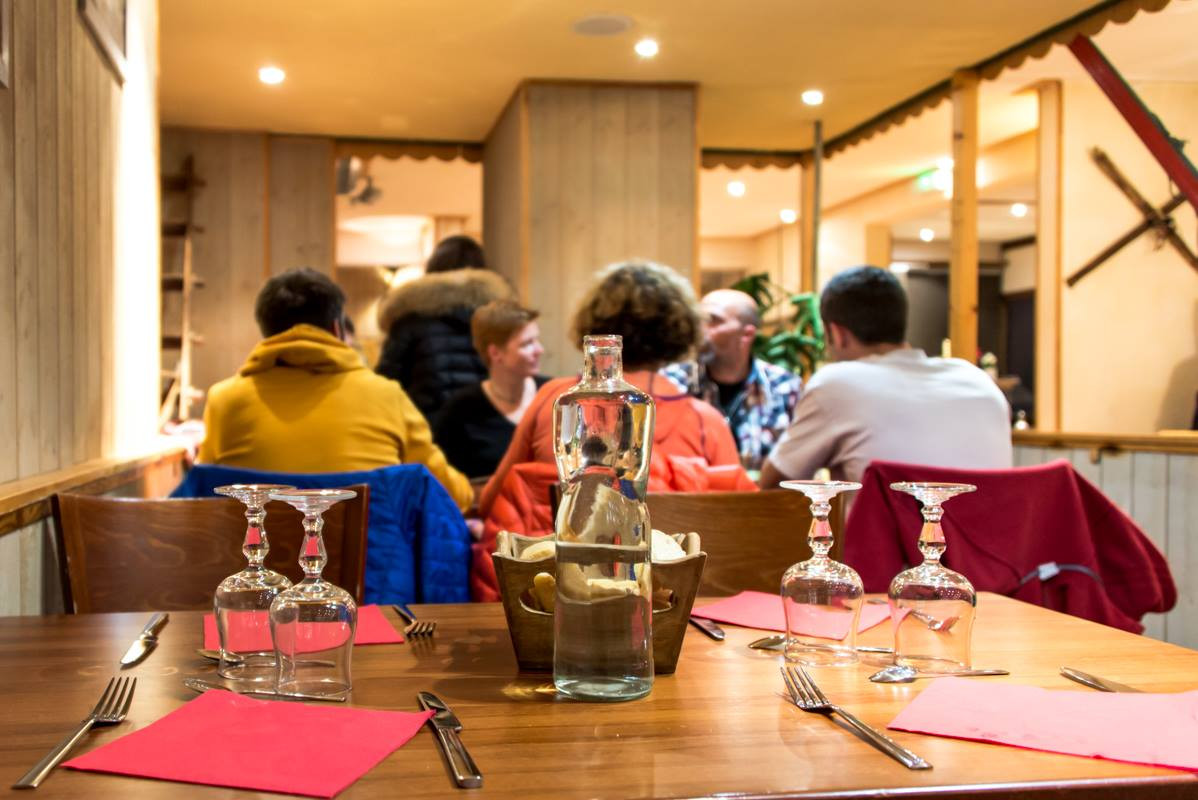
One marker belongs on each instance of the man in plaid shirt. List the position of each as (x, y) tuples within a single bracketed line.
[(757, 397)]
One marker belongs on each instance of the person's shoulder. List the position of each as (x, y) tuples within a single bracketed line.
[(539, 380), (776, 375)]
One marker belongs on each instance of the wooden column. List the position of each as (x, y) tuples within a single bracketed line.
[(1048, 259), (808, 226), (579, 175), (963, 264), (878, 245)]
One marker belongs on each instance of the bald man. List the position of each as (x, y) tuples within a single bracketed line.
[(756, 396)]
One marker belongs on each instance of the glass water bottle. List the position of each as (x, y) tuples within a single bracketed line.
[(602, 437)]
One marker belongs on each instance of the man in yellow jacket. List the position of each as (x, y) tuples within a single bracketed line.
[(304, 401)]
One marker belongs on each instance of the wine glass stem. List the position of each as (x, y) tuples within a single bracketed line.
[(819, 536), (931, 538), (255, 547), (313, 556)]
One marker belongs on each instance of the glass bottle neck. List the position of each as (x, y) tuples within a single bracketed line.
[(602, 359)]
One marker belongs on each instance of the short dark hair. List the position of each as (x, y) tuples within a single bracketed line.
[(869, 302), (456, 252), (298, 296), (648, 304)]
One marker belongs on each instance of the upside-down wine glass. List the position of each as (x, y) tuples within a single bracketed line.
[(313, 622), (932, 607), (241, 605), (821, 597)]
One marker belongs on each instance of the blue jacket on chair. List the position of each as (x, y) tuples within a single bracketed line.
[(418, 547)]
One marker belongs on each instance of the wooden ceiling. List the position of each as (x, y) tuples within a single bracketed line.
[(420, 69)]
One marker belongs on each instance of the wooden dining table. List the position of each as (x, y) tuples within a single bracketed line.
[(719, 726)]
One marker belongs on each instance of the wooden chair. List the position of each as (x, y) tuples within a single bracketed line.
[(750, 537), (122, 554)]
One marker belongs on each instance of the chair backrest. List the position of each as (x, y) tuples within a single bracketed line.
[(127, 554), (750, 537)]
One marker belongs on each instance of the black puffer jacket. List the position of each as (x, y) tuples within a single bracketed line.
[(428, 347)]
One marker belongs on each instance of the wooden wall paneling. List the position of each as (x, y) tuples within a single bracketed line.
[(24, 68), (48, 237), (641, 204), (1080, 458), (64, 157), (678, 178), (574, 204), (1149, 506), (1182, 548), (505, 215), (247, 259), (109, 131), (1117, 480), (81, 234), (546, 248), (610, 157), (8, 291), (301, 195), (91, 221), (213, 307), (963, 265), (1048, 256)]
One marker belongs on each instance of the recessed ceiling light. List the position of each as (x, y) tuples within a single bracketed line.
[(736, 188), (602, 25), (646, 48), (813, 97), (1019, 210), (788, 216), (926, 234), (271, 76)]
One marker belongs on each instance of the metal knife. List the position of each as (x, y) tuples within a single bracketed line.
[(201, 685), (1095, 682), (146, 641), (446, 726), (709, 628)]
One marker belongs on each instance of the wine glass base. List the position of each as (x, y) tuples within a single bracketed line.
[(315, 686), (252, 668), (813, 654), (931, 665)]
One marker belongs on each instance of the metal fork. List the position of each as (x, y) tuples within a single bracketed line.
[(415, 627), (111, 709), (808, 697)]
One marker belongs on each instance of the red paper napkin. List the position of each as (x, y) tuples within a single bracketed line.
[(764, 610), (1155, 729), (225, 739), (250, 631)]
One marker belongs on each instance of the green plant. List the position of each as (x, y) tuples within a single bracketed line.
[(797, 342)]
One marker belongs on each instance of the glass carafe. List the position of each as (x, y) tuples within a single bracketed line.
[(242, 601), (313, 622), (932, 607), (602, 438)]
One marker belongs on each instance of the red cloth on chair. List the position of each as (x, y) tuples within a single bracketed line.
[(522, 505), (1018, 521)]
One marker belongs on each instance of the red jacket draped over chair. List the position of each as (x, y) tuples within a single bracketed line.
[(1043, 534)]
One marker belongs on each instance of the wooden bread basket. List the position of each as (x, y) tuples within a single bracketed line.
[(532, 629)]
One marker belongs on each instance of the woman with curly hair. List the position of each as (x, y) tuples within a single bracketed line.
[(654, 310)]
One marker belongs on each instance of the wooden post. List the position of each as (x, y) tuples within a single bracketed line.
[(1048, 259), (809, 202), (963, 264), (878, 245)]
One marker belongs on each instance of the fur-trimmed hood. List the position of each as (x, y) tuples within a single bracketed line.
[(441, 293)]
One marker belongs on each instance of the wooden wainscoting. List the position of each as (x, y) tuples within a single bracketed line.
[(29, 572), (1155, 480)]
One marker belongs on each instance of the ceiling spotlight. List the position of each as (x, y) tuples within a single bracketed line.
[(813, 97), (926, 234), (1019, 210), (736, 188), (788, 216), (271, 76), (646, 48), (900, 267)]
